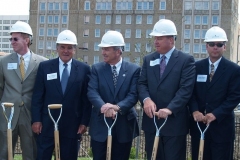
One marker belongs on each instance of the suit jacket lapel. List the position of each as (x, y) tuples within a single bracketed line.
[(15, 60), (107, 73), (121, 77), (55, 69), (72, 77), (172, 61), (31, 66)]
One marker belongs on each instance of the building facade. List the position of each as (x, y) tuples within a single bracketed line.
[(6, 21), (89, 20)]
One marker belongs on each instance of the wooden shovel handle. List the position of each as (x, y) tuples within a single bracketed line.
[(8, 104), (54, 106), (155, 148), (201, 148), (57, 144), (9, 142), (109, 147)]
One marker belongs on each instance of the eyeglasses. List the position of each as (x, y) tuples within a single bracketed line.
[(13, 39), (212, 44)]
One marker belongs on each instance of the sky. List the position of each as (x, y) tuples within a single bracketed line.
[(21, 7)]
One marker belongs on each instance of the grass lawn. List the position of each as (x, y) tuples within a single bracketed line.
[(19, 157)]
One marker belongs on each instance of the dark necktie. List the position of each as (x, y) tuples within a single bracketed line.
[(211, 72), (115, 75), (162, 65), (65, 76)]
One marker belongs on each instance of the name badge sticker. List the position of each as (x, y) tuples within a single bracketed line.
[(51, 76), (11, 66), (201, 78), (155, 62)]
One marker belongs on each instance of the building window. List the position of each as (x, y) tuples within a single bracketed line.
[(98, 19), (138, 47), (215, 5), (50, 6), (107, 30), (41, 31), (127, 59), (56, 19), (187, 48), (96, 59), (128, 33), (127, 47), (6, 27), (144, 5), (6, 21), (5, 33), (40, 45), (139, 19), (148, 47), (137, 61), (118, 30), (65, 6), (97, 32), (56, 6), (85, 59), (187, 19), (118, 19), (5, 45), (85, 45), (103, 5), (96, 48), (50, 19), (123, 5), (49, 32), (86, 19), (204, 20), (204, 50), (187, 33), (205, 5), (53, 45), (162, 5), (149, 19), (161, 17), (128, 19), (188, 5), (42, 19), (108, 19), (196, 48), (87, 5), (55, 32), (197, 20), (49, 45), (198, 5), (138, 33), (196, 34), (148, 31), (13, 21), (64, 19), (86, 33), (214, 20), (203, 33), (42, 6)]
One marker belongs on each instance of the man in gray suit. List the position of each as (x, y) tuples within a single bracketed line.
[(165, 86), (17, 76)]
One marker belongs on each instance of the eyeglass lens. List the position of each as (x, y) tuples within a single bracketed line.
[(15, 39), (212, 44)]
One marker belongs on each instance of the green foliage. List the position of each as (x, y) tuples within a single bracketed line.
[(133, 153)]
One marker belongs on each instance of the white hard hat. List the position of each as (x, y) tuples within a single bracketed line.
[(215, 34), (164, 27), (67, 37), (21, 27), (112, 38)]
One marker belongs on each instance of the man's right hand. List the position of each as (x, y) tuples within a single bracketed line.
[(198, 116), (37, 127), (149, 107)]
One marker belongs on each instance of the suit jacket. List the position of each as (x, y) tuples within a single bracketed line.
[(101, 91), (76, 108), (13, 89), (172, 91), (219, 97)]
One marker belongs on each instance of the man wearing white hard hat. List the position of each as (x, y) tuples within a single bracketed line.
[(165, 86), (17, 75), (113, 90), (62, 80), (216, 94)]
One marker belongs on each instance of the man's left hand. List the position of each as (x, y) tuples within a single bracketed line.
[(82, 129)]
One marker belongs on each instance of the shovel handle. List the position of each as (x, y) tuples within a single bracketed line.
[(57, 144), (54, 106), (8, 104), (201, 147), (155, 148), (9, 142), (109, 147)]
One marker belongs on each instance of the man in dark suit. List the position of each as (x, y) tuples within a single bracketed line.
[(165, 86), (113, 88), (216, 94), (49, 89)]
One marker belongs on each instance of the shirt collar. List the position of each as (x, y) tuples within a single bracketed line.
[(215, 63), (168, 54), (61, 62), (25, 55), (118, 64)]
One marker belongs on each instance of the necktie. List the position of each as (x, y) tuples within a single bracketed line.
[(162, 65), (115, 75), (22, 68), (211, 72), (65, 76)]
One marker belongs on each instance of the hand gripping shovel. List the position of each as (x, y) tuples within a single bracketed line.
[(109, 140), (156, 140), (56, 132), (9, 129)]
